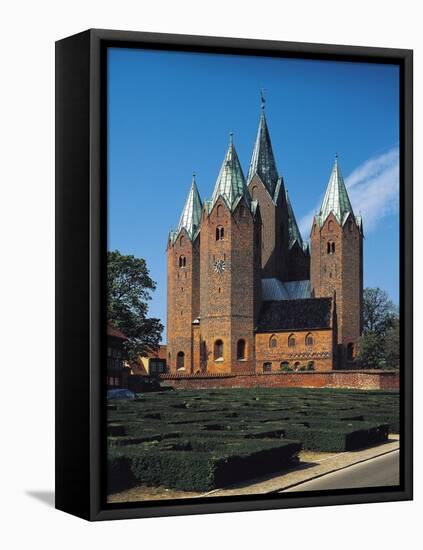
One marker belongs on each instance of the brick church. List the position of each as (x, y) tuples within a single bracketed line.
[(245, 292)]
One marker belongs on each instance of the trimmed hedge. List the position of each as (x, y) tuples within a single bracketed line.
[(147, 434), (197, 465)]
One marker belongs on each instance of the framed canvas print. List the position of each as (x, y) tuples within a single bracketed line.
[(234, 274)]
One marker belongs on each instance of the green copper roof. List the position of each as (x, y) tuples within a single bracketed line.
[(263, 161), (294, 232), (191, 214), (230, 183), (336, 198)]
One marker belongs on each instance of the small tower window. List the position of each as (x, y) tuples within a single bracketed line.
[(273, 342), (309, 340), (220, 232), (254, 192), (330, 226), (182, 261), (242, 211), (350, 226), (219, 211), (182, 241), (331, 247), (240, 350), (218, 350), (291, 341)]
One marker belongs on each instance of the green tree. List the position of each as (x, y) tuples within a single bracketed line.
[(129, 289), (379, 345), (392, 346), (379, 312)]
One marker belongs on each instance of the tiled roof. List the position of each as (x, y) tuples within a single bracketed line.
[(313, 313), (263, 161), (159, 354), (116, 333), (230, 183), (275, 290)]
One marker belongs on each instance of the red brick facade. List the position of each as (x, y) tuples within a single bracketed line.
[(337, 270), (364, 380), (274, 244), (223, 250), (311, 349)]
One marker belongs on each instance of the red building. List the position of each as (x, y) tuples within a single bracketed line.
[(245, 292), (115, 365)]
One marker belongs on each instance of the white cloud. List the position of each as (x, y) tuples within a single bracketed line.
[(373, 188)]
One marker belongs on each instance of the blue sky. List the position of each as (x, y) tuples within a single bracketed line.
[(170, 114)]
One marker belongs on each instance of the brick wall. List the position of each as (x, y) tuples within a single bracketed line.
[(364, 380), (298, 264), (339, 272), (274, 251), (320, 352), (183, 298), (227, 307)]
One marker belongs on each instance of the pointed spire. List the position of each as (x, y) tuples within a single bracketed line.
[(336, 198), (230, 183), (191, 214), (293, 231), (263, 161)]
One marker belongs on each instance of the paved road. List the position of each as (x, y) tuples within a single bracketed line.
[(380, 471)]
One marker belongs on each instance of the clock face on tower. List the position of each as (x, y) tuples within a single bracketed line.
[(219, 266)]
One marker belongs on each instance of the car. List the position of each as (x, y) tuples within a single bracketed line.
[(121, 394)]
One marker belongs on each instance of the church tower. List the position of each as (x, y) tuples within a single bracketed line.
[(298, 251), (183, 285), (230, 285), (337, 263), (267, 187)]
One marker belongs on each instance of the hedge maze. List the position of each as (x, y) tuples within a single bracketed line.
[(201, 440)]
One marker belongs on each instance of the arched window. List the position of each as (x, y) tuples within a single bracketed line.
[(220, 232), (182, 241), (240, 350), (242, 211), (180, 361), (182, 261), (218, 350), (296, 365), (284, 365), (254, 192), (350, 351), (330, 226), (267, 367), (350, 226), (309, 339), (273, 342), (219, 211), (291, 341)]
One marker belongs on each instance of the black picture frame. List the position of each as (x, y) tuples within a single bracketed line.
[(81, 224)]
